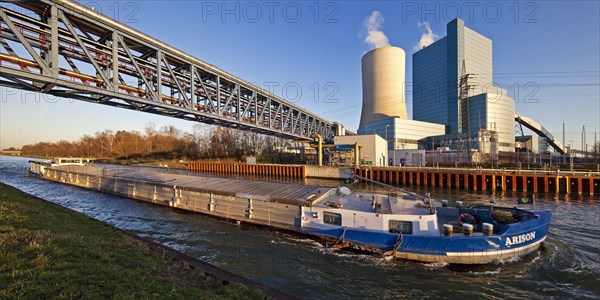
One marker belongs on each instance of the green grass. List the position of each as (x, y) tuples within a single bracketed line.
[(48, 251)]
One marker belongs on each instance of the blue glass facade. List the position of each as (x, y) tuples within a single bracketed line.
[(437, 70)]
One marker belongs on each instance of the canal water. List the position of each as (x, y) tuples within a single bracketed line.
[(567, 267)]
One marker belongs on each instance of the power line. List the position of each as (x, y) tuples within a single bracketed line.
[(544, 72), (554, 84), (546, 76)]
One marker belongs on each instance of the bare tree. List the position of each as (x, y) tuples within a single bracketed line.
[(107, 141), (150, 132), (205, 141), (87, 144)]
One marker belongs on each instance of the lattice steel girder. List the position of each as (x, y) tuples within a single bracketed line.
[(113, 64)]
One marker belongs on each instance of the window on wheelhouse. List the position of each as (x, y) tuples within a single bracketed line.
[(332, 218), (404, 227)]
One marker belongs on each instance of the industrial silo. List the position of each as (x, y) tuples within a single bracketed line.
[(383, 85)]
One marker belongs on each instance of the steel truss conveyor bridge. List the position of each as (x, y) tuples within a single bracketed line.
[(74, 52), (541, 131)]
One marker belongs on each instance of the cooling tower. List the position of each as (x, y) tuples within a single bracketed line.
[(383, 85)]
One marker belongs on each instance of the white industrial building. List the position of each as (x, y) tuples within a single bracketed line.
[(373, 150), (401, 133), (408, 158)]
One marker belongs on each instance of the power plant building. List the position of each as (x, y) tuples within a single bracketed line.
[(486, 122), (456, 106), (384, 103)]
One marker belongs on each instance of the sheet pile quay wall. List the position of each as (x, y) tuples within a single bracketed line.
[(482, 180), (293, 171)]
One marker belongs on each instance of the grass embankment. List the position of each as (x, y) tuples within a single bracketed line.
[(48, 251)]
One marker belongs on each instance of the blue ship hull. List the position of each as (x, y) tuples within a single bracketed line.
[(514, 240)]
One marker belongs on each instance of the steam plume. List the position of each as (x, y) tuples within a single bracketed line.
[(375, 37), (427, 38)]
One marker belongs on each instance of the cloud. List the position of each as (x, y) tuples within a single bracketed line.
[(427, 38), (375, 37)]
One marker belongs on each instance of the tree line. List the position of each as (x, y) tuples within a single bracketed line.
[(168, 142)]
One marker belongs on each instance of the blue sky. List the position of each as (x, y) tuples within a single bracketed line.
[(553, 44)]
